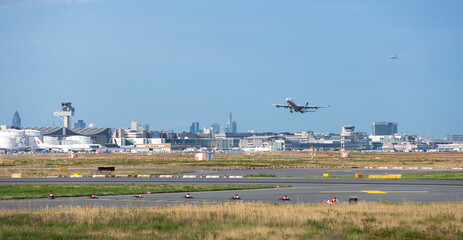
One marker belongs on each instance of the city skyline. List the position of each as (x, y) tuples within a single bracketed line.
[(168, 63)]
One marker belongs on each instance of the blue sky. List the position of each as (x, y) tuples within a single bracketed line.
[(167, 63)]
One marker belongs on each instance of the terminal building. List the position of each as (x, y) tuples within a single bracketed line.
[(97, 135), (384, 128), (455, 138)]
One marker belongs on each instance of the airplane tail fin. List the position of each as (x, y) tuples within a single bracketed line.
[(37, 140), (307, 104)]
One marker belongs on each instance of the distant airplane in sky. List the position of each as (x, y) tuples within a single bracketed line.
[(298, 108), (394, 56)]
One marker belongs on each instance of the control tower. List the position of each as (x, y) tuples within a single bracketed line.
[(65, 113)]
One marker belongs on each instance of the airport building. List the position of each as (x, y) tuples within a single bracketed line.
[(17, 139), (384, 128), (455, 137), (97, 135), (452, 147)]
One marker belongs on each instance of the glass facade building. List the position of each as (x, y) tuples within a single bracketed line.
[(384, 128), (194, 128), (16, 120)]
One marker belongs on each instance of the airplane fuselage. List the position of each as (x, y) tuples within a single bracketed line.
[(293, 106), (67, 147), (292, 103)]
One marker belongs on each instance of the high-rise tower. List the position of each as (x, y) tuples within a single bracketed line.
[(234, 128), (229, 123), (194, 128), (16, 120)]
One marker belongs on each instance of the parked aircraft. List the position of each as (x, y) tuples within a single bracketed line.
[(67, 147), (257, 149), (298, 108)]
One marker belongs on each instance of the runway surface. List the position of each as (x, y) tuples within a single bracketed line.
[(303, 190)]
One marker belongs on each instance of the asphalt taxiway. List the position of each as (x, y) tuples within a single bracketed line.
[(312, 191), (302, 190)]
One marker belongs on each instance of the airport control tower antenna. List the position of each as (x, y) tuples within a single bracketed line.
[(65, 114)]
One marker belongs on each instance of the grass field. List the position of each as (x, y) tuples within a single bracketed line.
[(239, 221), (65, 172), (73, 190), (357, 159), (438, 175)]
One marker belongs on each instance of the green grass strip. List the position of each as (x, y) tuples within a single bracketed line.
[(20, 191), (440, 175)]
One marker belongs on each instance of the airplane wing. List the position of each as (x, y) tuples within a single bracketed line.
[(304, 111), (314, 107), (279, 106)]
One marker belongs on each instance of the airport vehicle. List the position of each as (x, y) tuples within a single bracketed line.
[(187, 196), (236, 197), (293, 106), (394, 56), (67, 147)]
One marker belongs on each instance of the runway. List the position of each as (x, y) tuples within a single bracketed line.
[(312, 191), (302, 190)]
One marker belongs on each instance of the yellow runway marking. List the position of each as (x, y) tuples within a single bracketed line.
[(374, 192)]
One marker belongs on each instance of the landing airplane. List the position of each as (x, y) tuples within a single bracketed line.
[(394, 56), (298, 108), (67, 147)]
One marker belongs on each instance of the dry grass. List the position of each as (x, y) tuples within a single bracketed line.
[(357, 159), (242, 221), (65, 172)]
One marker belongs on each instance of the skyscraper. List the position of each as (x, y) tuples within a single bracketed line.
[(229, 123), (143, 127), (16, 120), (234, 128), (80, 124), (134, 125), (194, 128), (215, 128)]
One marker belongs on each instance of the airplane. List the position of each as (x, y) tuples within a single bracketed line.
[(298, 108), (67, 147), (394, 56), (257, 149)]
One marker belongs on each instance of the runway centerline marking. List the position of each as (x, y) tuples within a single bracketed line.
[(374, 192)]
